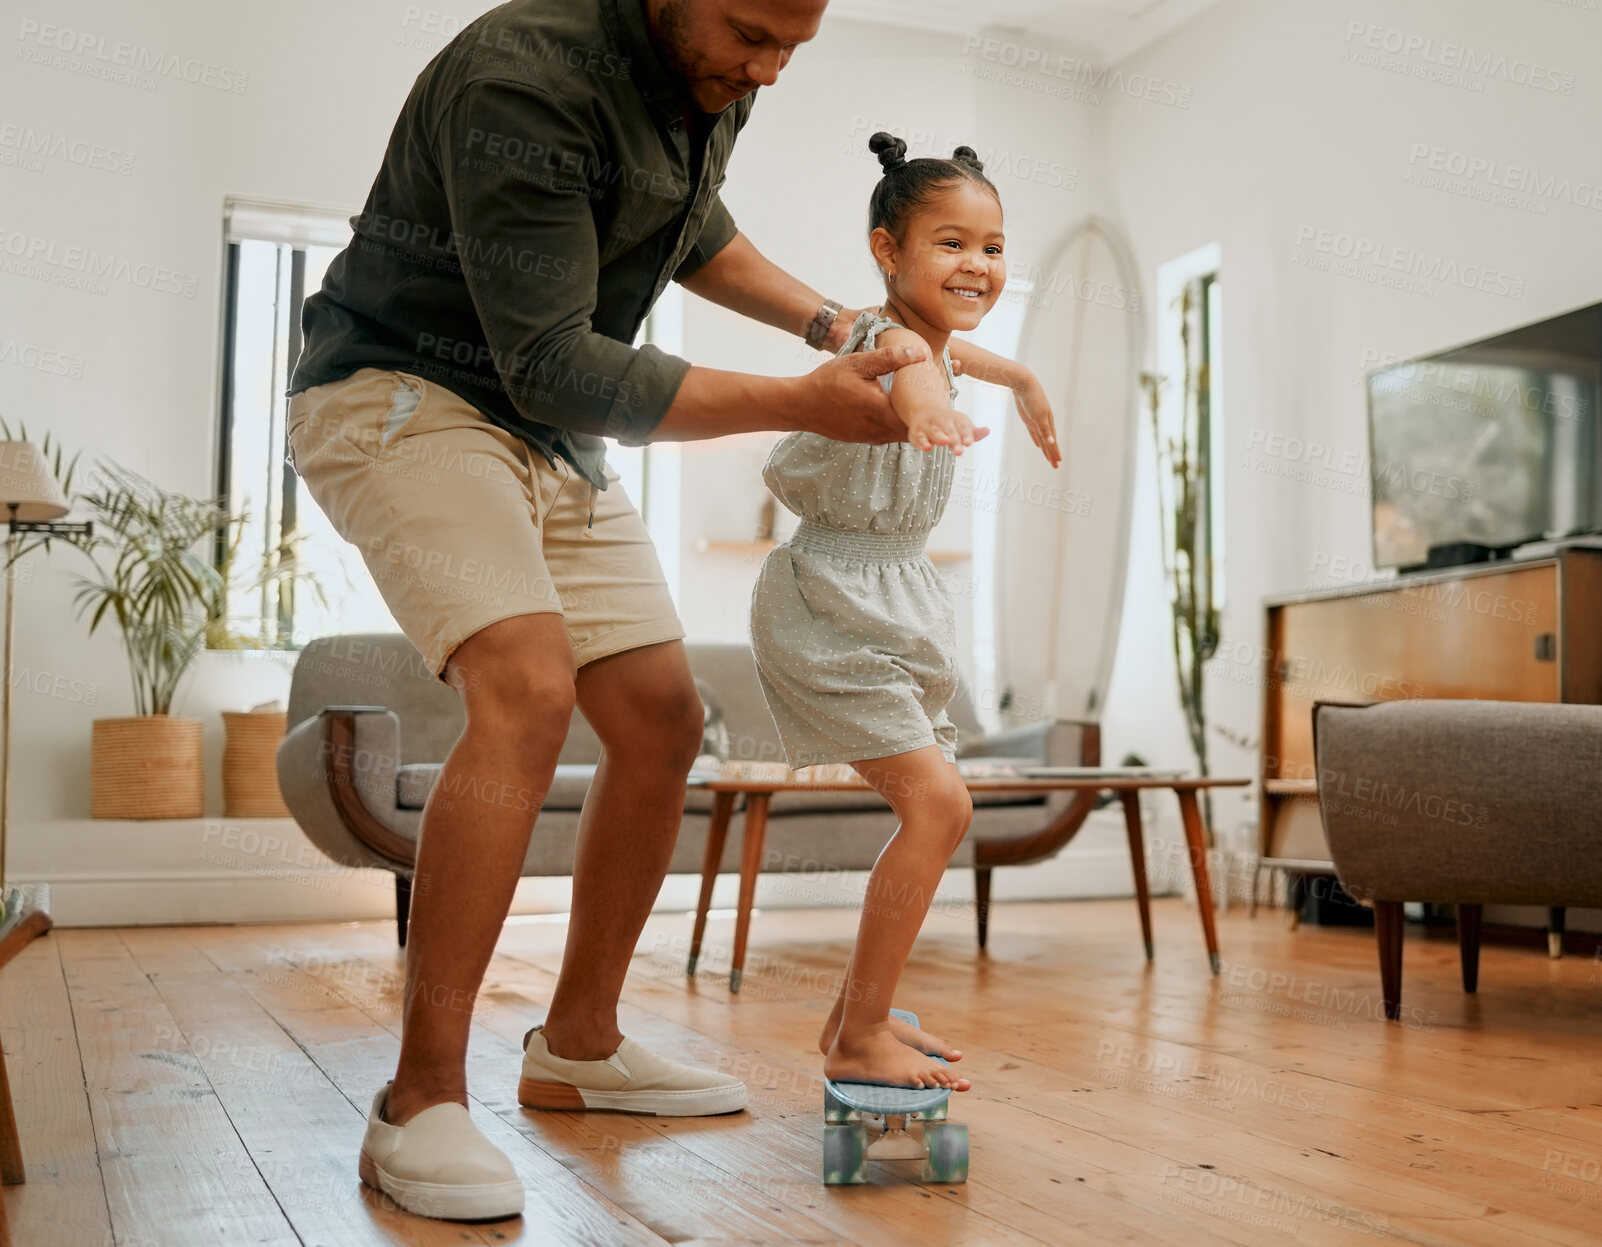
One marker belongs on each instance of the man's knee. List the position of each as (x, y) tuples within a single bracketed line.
[(526, 698), (664, 721)]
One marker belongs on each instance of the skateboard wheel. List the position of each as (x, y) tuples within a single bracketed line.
[(836, 1111), (845, 1155), (947, 1160)]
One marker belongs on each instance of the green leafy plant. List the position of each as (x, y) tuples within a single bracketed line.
[(149, 578), (1183, 495)]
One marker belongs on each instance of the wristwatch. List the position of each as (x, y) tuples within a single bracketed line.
[(818, 330)]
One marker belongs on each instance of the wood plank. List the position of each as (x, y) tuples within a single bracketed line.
[(302, 1135), (174, 1170), (779, 1163), (1114, 1101), (665, 1186), (318, 1007), (64, 1200)]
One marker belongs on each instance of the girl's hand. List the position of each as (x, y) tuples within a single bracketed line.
[(1035, 410), (928, 428)]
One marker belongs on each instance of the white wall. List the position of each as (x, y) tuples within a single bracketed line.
[(1285, 133), (322, 85), (1277, 133), (318, 88)]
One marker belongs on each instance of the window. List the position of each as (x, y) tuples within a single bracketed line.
[(1190, 365), (277, 255)]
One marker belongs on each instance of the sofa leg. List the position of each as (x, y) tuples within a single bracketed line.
[(981, 897), (1388, 927), (403, 906), (1468, 944), (1554, 931)]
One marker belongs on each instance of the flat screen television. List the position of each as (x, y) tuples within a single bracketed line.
[(1488, 445)]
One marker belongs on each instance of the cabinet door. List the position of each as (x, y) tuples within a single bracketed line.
[(1474, 636)]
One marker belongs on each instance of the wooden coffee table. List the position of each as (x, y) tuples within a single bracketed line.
[(758, 795)]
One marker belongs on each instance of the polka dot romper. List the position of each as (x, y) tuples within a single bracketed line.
[(853, 635)]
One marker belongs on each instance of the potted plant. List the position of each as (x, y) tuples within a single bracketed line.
[(162, 595)]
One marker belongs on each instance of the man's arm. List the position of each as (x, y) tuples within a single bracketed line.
[(742, 279), (535, 310)]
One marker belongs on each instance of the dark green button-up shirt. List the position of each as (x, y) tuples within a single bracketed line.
[(546, 179)]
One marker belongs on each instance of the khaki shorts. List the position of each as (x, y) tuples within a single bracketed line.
[(462, 523)]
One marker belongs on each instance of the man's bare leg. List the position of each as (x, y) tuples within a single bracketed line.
[(643, 705), (516, 678)]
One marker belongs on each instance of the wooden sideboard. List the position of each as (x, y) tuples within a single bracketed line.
[(1504, 631)]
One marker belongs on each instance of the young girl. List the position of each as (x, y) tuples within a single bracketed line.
[(853, 635)]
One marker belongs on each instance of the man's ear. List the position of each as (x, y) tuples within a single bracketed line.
[(883, 246)]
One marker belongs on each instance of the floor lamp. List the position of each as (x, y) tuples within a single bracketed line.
[(31, 501)]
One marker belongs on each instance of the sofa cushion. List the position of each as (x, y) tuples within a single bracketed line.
[(413, 783)]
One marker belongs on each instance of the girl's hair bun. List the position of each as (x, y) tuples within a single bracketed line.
[(892, 152), (967, 156)]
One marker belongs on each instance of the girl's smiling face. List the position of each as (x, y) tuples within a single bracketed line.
[(947, 269)]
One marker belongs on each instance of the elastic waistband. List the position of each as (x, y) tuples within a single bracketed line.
[(870, 547)]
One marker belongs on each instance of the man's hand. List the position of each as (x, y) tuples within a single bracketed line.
[(843, 399), (840, 330)]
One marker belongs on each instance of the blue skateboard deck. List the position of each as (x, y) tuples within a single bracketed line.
[(875, 1098), (850, 1109)]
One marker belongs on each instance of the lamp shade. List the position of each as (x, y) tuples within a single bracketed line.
[(28, 489)]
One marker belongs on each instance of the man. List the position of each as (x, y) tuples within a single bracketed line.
[(553, 168)]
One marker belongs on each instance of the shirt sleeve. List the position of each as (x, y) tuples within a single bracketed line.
[(513, 165), (716, 233)]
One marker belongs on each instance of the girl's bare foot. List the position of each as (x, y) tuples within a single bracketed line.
[(912, 1036), (880, 1057)]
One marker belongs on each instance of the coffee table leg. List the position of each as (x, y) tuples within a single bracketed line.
[(1197, 840), (1137, 860), (717, 833), (756, 831)]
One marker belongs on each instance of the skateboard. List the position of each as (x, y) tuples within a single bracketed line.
[(850, 1108)]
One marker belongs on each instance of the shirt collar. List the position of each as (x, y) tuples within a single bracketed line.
[(658, 85)]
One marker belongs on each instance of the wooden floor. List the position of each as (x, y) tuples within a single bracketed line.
[(208, 1085)]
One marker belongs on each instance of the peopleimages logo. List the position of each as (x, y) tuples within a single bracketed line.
[(1496, 181), (36, 146), (29, 255), (63, 47), (1337, 248), (1452, 63)]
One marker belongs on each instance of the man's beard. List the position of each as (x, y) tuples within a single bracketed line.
[(672, 28)]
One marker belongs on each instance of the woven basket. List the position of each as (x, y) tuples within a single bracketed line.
[(147, 766), (250, 764)]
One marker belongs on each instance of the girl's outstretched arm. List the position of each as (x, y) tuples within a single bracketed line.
[(1034, 408), (920, 397)]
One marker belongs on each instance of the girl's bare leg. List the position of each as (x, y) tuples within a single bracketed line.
[(933, 805)]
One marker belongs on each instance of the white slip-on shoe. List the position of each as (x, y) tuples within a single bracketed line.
[(632, 1080), (438, 1165)]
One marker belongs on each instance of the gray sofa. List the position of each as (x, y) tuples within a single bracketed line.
[(1466, 802), (370, 727)]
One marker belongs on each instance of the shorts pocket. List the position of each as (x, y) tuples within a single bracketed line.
[(406, 398)]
